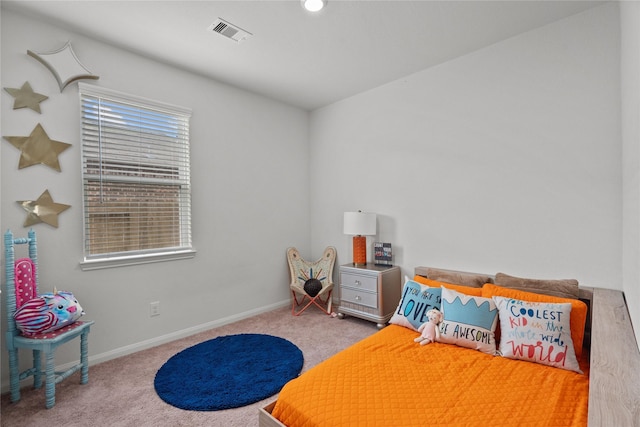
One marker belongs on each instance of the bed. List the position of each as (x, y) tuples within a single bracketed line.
[(388, 379)]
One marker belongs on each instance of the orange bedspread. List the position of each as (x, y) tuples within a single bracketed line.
[(389, 380)]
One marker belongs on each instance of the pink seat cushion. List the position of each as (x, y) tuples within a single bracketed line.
[(53, 334)]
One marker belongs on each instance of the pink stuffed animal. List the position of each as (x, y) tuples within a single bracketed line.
[(429, 329), (47, 312)]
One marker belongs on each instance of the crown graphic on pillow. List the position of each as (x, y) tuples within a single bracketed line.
[(470, 313)]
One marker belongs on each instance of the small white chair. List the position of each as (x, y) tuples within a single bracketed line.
[(312, 281)]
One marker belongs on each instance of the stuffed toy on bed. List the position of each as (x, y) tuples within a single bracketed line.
[(47, 312), (429, 330)]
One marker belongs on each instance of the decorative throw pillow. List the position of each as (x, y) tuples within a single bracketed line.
[(468, 321), (416, 300), (578, 309), (564, 288), (538, 332), (459, 277), (47, 312)]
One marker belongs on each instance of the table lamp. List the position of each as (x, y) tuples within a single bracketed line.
[(359, 224)]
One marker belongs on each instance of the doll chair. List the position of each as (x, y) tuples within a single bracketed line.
[(312, 281), (21, 286)]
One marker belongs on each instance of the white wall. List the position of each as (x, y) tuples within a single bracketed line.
[(630, 90), (250, 195), (507, 159)]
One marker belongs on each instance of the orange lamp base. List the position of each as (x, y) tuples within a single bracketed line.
[(359, 251)]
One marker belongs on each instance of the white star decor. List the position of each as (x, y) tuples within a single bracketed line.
[(42, 210), (25, 97), (64, 65)]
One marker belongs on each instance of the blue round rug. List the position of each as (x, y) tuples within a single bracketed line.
[(228, 372)]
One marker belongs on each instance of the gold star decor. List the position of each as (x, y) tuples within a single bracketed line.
[(42, 210), (38, 148), (26, 97)]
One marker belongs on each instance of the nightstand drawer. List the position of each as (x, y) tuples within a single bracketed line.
[(359, 282), (358, 297)]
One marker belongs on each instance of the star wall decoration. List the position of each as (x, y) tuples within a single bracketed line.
[(25, 97), (64, 65), (38, 148), (44, 209)]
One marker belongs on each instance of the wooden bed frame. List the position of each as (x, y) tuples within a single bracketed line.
[(614, 373)]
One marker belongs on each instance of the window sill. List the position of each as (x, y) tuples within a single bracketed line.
[(96, 264)]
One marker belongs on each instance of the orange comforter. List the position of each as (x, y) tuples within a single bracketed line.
[(389, 380)]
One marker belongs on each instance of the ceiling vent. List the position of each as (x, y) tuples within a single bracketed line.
[(229, 30)]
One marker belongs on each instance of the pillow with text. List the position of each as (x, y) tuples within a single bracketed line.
[(538, 332), (469, 321), (415, 301)]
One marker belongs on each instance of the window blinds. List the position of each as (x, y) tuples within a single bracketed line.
[(136, 175)]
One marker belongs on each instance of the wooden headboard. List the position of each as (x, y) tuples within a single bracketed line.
[(614, 357)]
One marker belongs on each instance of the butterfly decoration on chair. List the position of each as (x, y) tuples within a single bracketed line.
[(304, 276), (312, 285)]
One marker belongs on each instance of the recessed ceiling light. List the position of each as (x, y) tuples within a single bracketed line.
[(313, 5)]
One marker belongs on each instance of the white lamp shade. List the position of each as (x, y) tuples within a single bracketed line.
[(360, 223)]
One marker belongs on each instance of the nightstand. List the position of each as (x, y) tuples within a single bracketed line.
[(371, 292)]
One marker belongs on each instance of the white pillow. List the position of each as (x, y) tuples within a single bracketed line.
[(539, 332), (469, 321), (416, 300)]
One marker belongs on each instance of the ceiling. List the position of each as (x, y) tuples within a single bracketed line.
[(303, 59)]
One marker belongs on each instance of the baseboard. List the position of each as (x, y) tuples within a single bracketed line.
[(163, 339)]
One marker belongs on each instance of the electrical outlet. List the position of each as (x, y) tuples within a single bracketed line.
[(154, 309)]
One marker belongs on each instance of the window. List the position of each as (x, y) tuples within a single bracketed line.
[(136, 179)]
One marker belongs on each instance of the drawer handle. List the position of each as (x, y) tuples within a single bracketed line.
[(358, 298), (358, 283)]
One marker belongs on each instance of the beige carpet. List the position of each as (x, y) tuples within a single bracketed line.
[(120, 392)]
